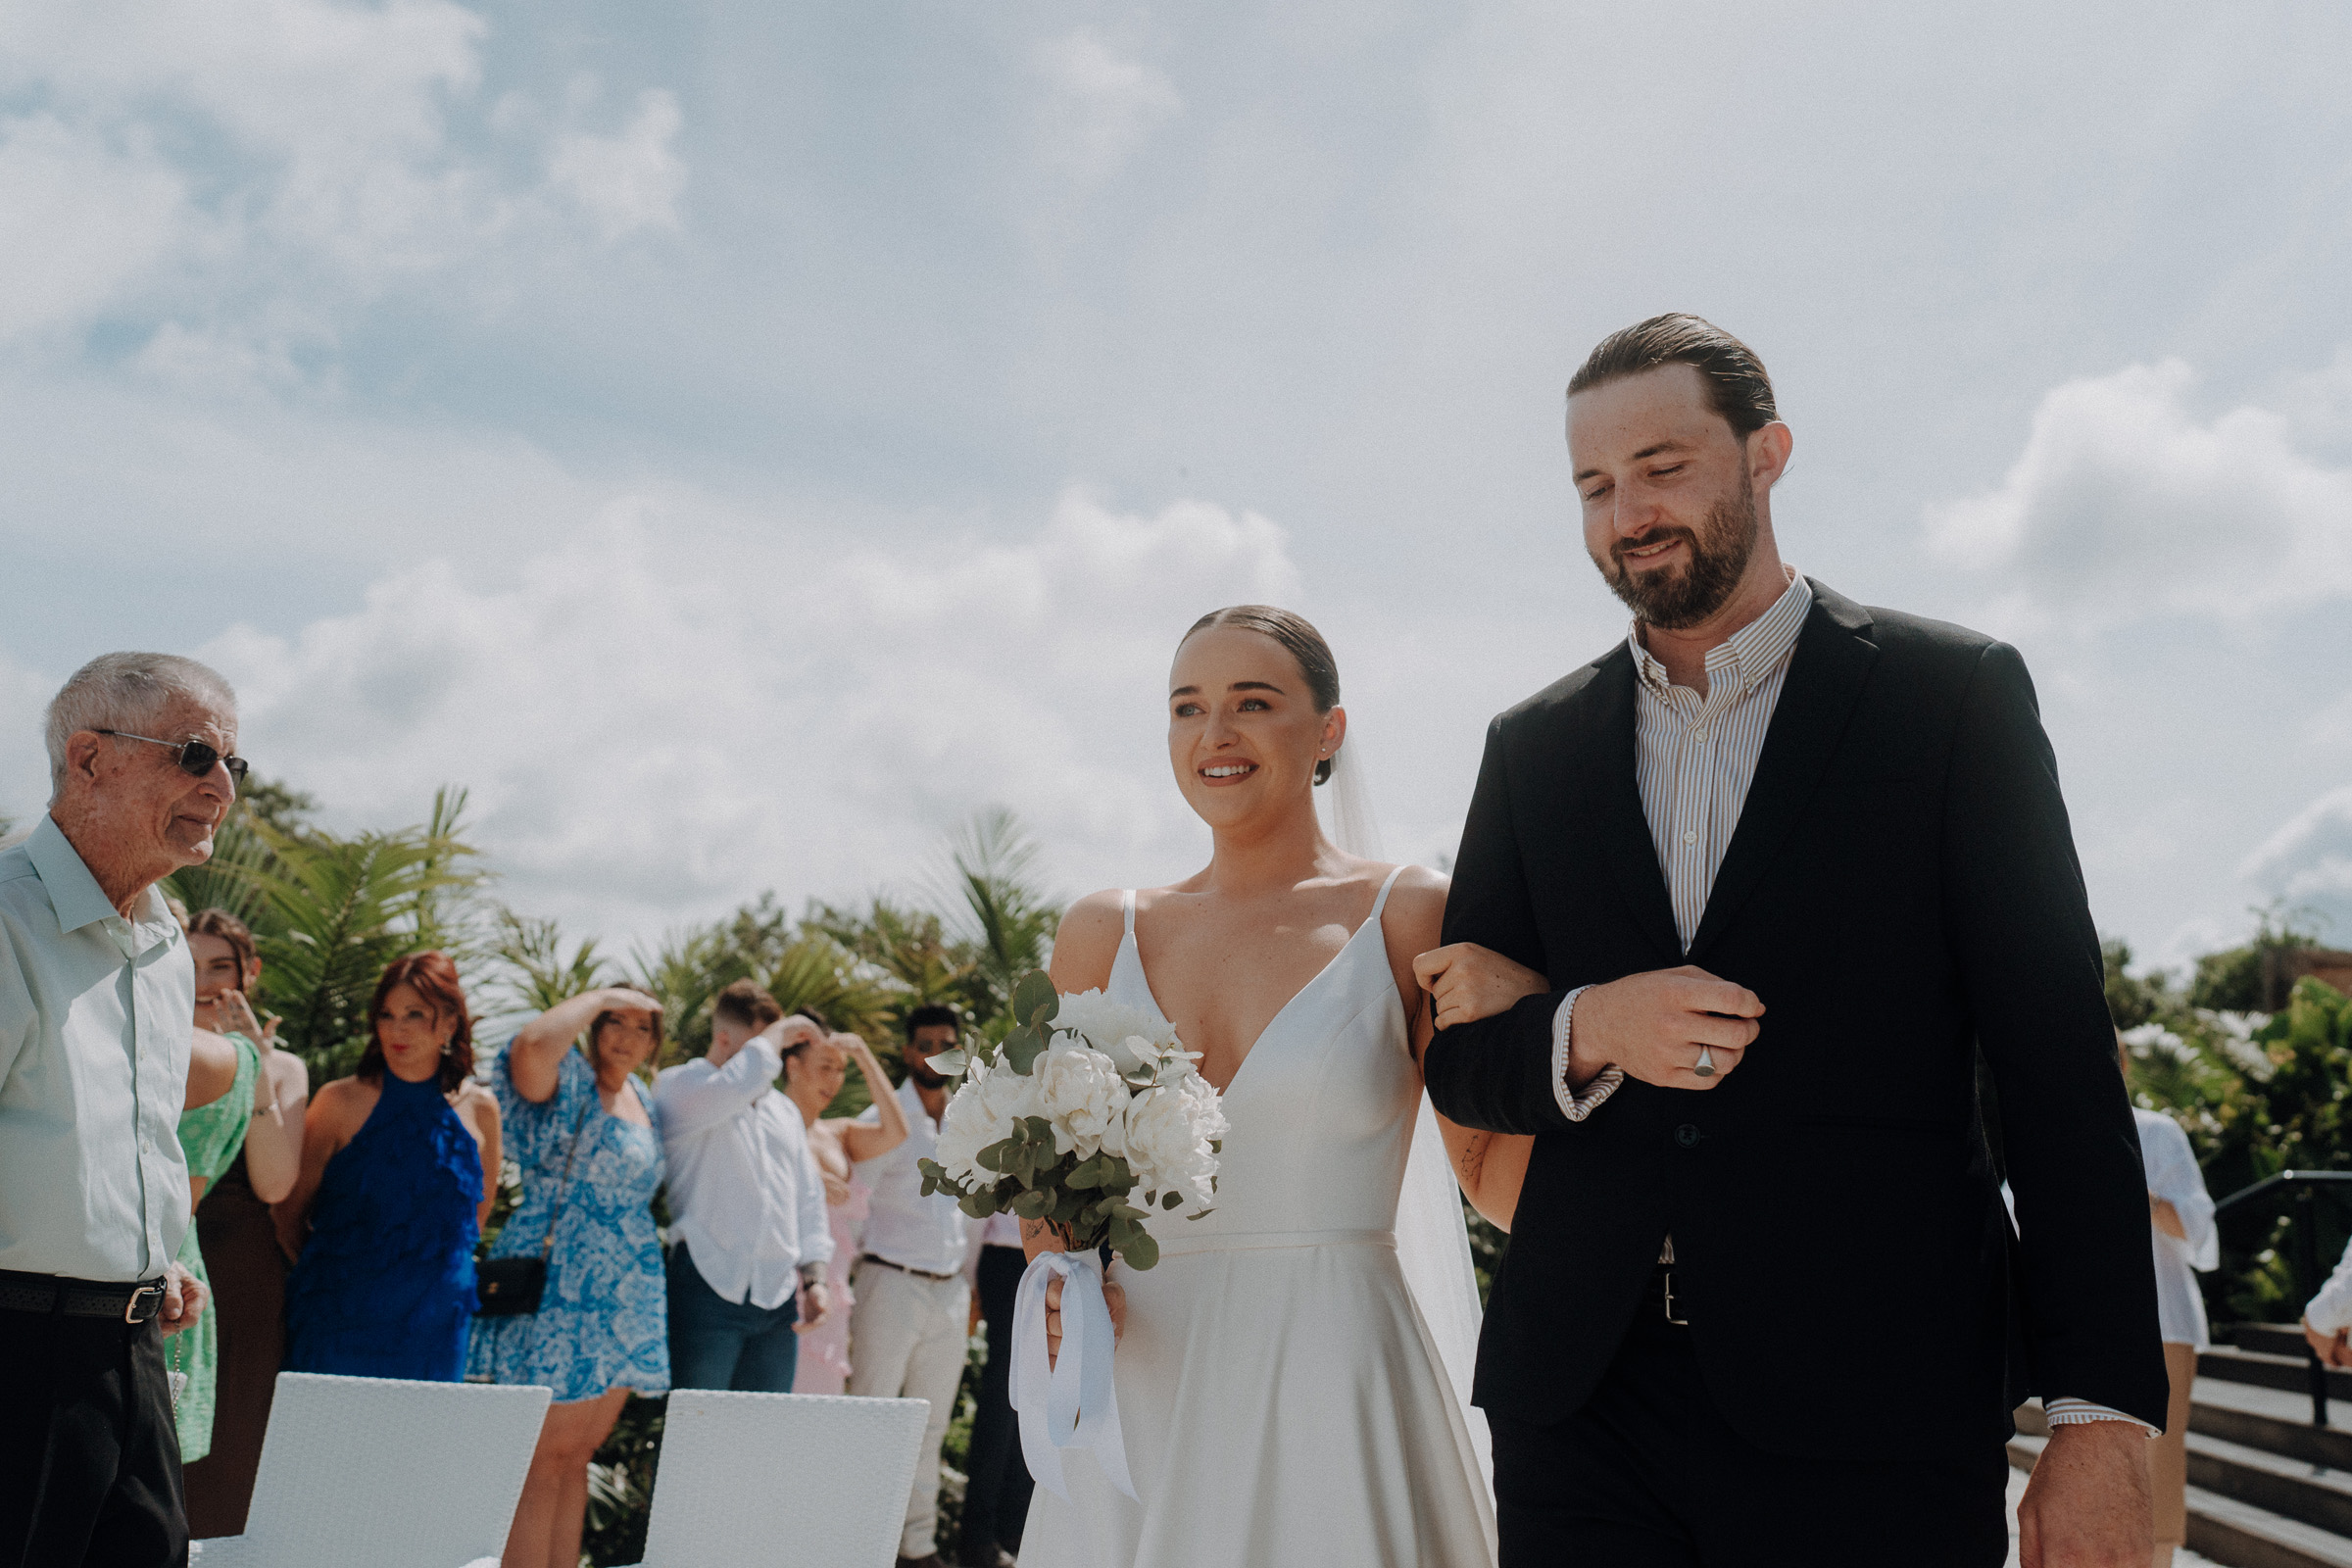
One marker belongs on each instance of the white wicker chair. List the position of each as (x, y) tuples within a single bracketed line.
[(385, 1473), (762, 1480)]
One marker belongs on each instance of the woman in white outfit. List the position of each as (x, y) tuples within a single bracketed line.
[(2181, 1229), (1287, 1377)]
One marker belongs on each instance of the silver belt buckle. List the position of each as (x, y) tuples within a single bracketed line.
[(131, 1308), (1678, 1322)]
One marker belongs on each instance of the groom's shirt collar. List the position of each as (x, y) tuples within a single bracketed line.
[(1750, 655)]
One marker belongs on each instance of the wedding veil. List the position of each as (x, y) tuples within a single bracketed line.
[(1432, 1240)]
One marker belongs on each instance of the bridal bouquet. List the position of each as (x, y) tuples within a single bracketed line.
[(1089, 1116)]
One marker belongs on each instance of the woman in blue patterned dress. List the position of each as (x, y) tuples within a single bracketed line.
[(581, 1129)]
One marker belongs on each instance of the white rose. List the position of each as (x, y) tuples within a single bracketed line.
[(1081, 1093)]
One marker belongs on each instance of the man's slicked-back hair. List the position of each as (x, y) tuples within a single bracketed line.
[(130, 692), (746, 1006), (1738, 388)]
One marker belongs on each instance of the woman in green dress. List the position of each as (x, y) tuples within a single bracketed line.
[(247, 1116)]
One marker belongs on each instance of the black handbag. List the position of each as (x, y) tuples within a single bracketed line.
[(511, 1286)]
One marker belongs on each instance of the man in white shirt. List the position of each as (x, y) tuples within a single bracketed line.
[(97, 1013), (746, 1203), (909, 1328)]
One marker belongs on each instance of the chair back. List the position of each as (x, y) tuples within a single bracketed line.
[(816, 1479), (388, 1473)]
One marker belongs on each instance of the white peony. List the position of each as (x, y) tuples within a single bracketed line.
[(1169, 1130), (1129, 1036), (1080, 1090), (982, 1111)]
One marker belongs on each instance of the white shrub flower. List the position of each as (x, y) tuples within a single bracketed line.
[(1080, 1089), (1114, 1028)]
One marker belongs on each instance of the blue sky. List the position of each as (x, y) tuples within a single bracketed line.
[(740, 440)]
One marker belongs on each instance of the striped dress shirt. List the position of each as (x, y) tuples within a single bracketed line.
[(1694, 758)]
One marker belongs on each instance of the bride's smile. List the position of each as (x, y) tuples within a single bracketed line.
[(1244, 736)]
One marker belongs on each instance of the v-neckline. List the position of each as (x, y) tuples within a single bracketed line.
[(1281, 1013)]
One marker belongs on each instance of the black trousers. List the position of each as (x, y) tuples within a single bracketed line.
[(1648, 1475), (89, 1458), (996, 1498)]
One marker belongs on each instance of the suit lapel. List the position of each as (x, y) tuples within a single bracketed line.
[(1603, 752), (1832, 660)]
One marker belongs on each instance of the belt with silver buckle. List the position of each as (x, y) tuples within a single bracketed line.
[(920, 1274), (128, 1302), (1660, 1295)]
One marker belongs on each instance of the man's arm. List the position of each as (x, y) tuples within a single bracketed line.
[(692, 1102), (2028, 963)]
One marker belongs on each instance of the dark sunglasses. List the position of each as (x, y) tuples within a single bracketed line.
[(196, 758)]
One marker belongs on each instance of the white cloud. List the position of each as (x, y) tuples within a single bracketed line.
[(79, 219), (2125, 504), (1100, 107), (207, 162), (2307, 864), (654, 725), (628, 182)]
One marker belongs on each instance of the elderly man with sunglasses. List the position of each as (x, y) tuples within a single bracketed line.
[(97, 1002)]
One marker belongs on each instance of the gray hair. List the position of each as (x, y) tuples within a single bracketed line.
[(130, 692)]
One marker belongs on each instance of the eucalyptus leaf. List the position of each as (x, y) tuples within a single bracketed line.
[(1141, 1250), (1034, 999)]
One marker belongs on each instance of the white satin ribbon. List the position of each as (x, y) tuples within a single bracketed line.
[(1071, 1401)]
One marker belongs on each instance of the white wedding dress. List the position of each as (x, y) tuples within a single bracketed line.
[(1285, 1400)]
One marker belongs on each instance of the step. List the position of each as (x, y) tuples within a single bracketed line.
[(2296, 1489), (2272, 1419), (2233, 1532), (2260, 1367), (2272, 1339)]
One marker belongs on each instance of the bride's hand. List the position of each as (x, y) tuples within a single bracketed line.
[(1114, 1297), (1039, 1237), (1468, 982)]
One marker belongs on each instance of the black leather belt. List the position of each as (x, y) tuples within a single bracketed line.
[(131, 1301), (1659, 1294), (936, 1279)]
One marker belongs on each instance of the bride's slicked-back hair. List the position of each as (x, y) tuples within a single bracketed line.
[(1295, 633)]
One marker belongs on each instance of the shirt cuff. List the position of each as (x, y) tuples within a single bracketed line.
[(1576, 1104), (2082, 1412)]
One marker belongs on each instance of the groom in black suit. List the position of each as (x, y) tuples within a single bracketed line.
[(1789, 866)]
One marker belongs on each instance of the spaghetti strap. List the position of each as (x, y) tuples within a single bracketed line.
[(1377, 904), (1127, 906)]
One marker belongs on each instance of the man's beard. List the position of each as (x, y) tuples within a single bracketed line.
[(1678, 600), (919, 1069)]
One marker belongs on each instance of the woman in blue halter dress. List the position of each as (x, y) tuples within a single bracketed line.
[(397, 1163)]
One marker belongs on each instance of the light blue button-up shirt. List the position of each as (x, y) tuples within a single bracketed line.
[(97, 1017)]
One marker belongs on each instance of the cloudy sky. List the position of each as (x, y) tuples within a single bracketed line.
[(739, 440)]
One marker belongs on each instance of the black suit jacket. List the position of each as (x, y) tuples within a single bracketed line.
[(1901, 892)]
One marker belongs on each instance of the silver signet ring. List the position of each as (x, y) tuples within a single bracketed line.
[(1705, 1066)]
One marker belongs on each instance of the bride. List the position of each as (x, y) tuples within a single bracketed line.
[(1293, 1375)]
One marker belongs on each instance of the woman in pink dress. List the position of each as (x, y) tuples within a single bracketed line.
[(813, 1073)]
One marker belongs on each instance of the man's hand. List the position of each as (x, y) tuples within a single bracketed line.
[(816, 1305), (791, 1030), (1653, 1026), (2331, 1349), (184, 1299), (2087, 1504), (1467, 982)]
